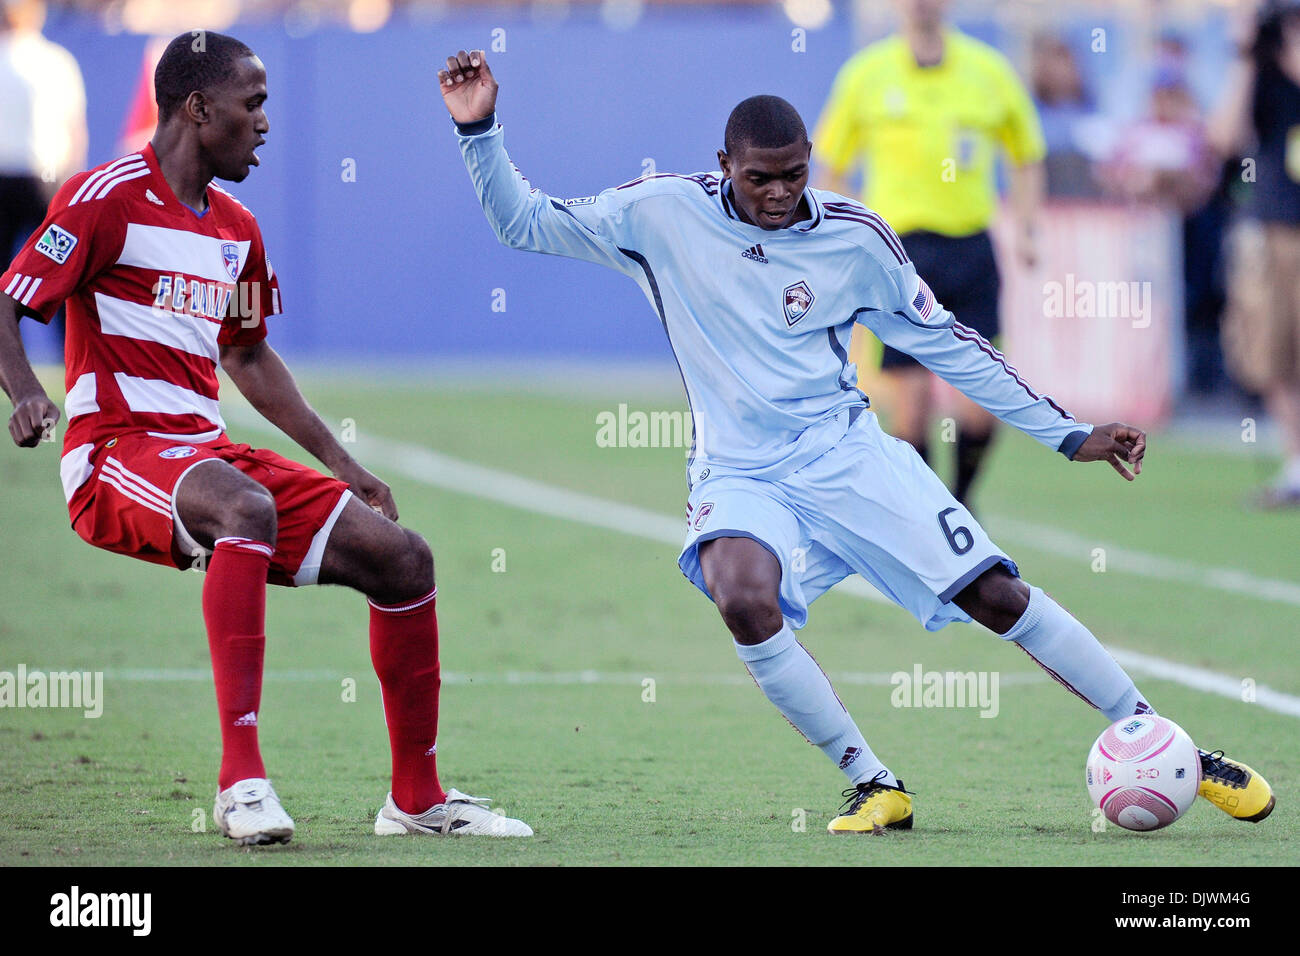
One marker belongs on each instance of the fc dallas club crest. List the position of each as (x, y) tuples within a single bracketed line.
[(230, 255), (798, 300)]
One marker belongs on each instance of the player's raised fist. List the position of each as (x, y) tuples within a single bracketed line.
[(1115, 444), (31, 421), (469, 90)]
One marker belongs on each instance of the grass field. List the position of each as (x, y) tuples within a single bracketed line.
[(544, 704)]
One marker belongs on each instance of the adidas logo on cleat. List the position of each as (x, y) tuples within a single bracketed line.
[(755, 253)]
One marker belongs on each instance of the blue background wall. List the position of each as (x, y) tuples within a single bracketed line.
[(401, 262)]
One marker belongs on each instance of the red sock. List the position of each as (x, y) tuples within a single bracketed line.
[(404, 649), (234, 608)]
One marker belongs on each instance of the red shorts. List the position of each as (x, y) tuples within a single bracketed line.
[(126, 505)]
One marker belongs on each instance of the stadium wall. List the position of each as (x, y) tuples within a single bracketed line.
[(400, 262)]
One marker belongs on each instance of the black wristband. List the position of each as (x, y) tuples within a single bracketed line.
[(478, 126)]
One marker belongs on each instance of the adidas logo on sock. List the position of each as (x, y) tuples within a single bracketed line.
[(431, 751), (850, 755), (248, 720), (755, 253)]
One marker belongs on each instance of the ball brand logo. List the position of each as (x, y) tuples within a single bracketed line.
[(1105, 775), (1132, 727)]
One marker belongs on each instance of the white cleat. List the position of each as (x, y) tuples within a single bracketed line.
[(461, 815), (249, 813)]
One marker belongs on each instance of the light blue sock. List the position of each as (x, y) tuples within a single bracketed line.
[(793, 682), (1072, 656)]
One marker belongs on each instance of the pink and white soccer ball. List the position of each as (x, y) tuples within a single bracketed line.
[(1143, 772)]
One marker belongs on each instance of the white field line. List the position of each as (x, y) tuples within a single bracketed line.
[(154, 675), (462, 477), (1211, 682), (1066, 544)]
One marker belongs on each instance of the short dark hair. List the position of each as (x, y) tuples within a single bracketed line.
[(198, 60), (767, 122)]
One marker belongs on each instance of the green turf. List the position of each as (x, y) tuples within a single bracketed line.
[(708, 772)]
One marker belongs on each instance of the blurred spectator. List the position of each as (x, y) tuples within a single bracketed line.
[(1068, 115), (1258, 117), (42, 120), (1204, 286), (42, 123), (1165, 157)]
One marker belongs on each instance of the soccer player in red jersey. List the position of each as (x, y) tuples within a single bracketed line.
[(165, 275)]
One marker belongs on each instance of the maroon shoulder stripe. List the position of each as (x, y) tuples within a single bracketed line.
[(707, 183), (852, 208), (883, 234), (983, 345)]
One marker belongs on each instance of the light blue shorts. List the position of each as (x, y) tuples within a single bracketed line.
[(869, 506)]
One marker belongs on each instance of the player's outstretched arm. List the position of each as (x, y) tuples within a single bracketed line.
[(1116, 444), (33, 413), (263, 378), (593, 228)]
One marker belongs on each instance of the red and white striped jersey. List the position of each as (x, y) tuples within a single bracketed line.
[(153, 290)]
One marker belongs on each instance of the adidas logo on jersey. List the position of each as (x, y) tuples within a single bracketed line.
[(755, 253), (148, 194)]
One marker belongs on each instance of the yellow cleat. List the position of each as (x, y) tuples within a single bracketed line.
[(1234, 788), (873, 807)]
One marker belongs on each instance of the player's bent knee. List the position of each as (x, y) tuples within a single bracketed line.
[(418, 564), (996, 599), (407, 573), (750, 611), (249, 513)]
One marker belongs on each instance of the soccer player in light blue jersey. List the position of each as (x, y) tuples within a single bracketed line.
[(757, 280)]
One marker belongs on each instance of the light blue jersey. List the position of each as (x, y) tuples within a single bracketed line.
[(759, 320)]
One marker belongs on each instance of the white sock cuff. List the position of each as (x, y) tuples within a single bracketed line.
[(1038, 605), (781, 641)]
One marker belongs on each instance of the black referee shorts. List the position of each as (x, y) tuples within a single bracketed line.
[(962, 273), (23, 200)]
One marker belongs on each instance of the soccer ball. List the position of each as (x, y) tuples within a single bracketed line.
[(1143, 772)]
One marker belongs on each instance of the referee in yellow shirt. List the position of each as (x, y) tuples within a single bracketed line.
[(924, 112)]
